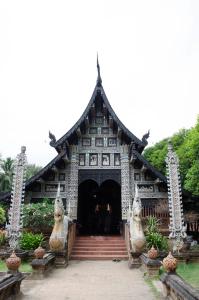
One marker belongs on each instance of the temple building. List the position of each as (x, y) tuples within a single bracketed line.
[(99, 162)]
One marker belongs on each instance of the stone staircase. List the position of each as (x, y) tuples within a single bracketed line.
[(99, 248)]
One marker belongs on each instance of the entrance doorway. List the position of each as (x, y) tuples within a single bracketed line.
[(99, 208)]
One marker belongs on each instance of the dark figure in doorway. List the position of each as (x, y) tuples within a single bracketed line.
[(99, 218), (103, 218), (107, 223)]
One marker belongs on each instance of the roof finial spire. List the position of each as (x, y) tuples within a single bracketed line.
[(99, 80)]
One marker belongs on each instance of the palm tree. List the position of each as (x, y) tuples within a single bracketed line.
[(6, 173), (31, 170)]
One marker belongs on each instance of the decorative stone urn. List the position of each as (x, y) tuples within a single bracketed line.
[(13, 262), (169, 263), (152, 253), (39, 252)]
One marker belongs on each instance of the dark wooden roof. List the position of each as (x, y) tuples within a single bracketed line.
[(99, 92), (61, 145), (43, 171), (149, 166)]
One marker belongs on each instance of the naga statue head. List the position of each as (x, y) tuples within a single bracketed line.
[(58, 207), (137, 237), (137, 207)]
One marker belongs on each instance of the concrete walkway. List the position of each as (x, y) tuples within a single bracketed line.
[(89, 280)]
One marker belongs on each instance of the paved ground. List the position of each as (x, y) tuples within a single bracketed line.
[(89, 280)]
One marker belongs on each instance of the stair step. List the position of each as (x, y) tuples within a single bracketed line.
[(97, 252), (100, 241), (99, 238), (87, 248), (99, 257), (99, 248)]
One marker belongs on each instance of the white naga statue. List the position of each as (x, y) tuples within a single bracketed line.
[(58, 238), (137, 237)]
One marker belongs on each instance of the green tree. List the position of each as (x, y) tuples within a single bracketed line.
[(6, 174), (186, 144), (156, 155), (189, 160), (192, 179), (31, 170)]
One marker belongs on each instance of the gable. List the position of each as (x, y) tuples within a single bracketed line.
[(99, 108)]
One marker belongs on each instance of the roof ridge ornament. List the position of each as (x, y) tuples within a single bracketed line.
[(99, 79), (145, 137), (52, 139)]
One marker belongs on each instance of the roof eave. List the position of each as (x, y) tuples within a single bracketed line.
[(45, 169), (39, 174), (150, 167)]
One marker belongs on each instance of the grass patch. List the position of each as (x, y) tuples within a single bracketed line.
[(25, 267), (153, 288), (189, 272)]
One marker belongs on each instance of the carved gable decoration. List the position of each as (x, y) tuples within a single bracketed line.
[(99, 118)]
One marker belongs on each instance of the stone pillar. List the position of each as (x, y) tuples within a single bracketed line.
[(42, 266), (132, 182), (150, 267), (17, 199), (177, 228), (125, 180), (73, 183)]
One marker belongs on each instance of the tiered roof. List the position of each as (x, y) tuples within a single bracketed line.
[(62, 145), (99, 96)]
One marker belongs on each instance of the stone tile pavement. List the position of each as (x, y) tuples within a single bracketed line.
[(86, 280)]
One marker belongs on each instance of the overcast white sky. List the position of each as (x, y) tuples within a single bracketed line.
[(149, 58)]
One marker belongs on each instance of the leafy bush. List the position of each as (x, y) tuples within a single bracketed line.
[(2, 215), (38, 216), (153, 236), (157, 240), (152, 224), (30, 241)]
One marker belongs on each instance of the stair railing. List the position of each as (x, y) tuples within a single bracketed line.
[(127, 237), (71, 237)]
